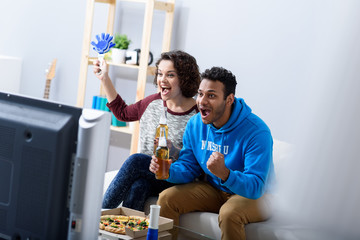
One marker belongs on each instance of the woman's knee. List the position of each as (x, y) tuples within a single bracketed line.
[(137, 161)]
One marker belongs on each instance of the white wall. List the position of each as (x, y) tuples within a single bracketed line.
[(38, 31), (10, 68), (277, 49)]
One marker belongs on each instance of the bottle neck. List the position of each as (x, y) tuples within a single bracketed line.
[(163, 117), (162, 138)]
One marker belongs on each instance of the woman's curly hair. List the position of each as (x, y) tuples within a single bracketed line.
[(187, 70)]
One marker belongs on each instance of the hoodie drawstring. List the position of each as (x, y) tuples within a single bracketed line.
[(222, 142), (206, 142)]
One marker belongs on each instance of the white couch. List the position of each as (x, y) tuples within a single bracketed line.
[(206, 223)]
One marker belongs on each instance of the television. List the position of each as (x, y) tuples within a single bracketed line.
[(52, 165)]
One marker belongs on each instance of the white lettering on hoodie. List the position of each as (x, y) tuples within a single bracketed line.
[(215, 147)]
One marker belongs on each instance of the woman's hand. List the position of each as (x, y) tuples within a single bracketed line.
[(100, 69)]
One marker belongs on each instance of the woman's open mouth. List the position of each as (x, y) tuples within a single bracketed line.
[(165, 90)]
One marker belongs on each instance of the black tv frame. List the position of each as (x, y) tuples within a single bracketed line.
[(38, 141)]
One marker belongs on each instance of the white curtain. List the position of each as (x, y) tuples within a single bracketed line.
[(322, 189)]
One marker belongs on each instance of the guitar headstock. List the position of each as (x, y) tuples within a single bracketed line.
[(50, 72)]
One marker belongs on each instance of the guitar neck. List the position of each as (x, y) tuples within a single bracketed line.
[(47, 89), (49, 76)]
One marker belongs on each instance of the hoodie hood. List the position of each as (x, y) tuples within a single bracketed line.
[(240, 111)]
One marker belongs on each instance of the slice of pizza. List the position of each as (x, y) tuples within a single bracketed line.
[(121, 218), (137, 223), (104, 221), (116, 228)]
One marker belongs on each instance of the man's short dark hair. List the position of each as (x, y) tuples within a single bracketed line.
[(222, 75)]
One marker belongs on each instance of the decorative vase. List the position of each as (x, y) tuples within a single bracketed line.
[(118, 55)]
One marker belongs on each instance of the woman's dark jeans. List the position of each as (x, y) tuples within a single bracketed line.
[(133, 184)]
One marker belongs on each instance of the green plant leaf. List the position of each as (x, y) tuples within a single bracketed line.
[(121, 41)]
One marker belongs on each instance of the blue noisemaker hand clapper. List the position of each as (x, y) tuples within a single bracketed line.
[(104, 43)]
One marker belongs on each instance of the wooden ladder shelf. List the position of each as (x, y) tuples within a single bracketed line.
[(143, 69)]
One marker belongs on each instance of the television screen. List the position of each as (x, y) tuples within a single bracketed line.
[(38, 142)]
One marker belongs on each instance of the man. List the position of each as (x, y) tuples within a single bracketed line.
[(233, 147)]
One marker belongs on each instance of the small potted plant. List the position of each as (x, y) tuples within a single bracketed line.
[(118, 52)]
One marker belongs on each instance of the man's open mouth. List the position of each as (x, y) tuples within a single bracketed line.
[(205, 112)]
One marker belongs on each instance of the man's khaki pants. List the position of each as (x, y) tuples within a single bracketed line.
[(234, 211)]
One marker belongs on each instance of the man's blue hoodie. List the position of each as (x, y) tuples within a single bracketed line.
[(246, 143)]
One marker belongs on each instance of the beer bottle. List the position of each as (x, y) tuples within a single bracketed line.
[(162, 123), (162, 154)]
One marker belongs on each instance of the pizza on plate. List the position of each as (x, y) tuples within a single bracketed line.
[(118, 223)]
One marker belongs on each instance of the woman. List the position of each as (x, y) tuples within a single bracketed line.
[(177, 79)]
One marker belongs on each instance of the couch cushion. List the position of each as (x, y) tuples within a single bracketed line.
[(200, 222)]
